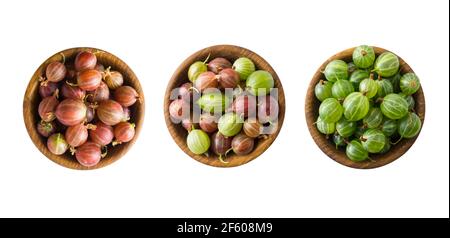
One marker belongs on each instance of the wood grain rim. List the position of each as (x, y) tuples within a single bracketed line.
[(32, 98), (230, 52), (311, 114)]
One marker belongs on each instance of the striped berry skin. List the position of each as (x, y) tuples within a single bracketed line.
[(373, 140), (55, 72), (124, 132), (341, 89), (99, 94), (228, 78), (336, 70), (242, 144), (110, 112), (259, 83), (374, 118), (71, 112), (206, 80), (218, 64), (74, 92), (357, 76), (57, 144), (102, 134), (323, 90), (89, 80), (410, 100), (356, 106), (384, 88), (76, 135), (394, 106), (363, 56), (85, 60), (220, 144), (356, 152), (387, 64), (88, 154), (345, 128), (126, 96), (244, 67), (198, 141), (252, 128), (230, 124), (369, 87), (113, 79), (330, 110), (389, 127), (47, 108), (409, 83), (409, 126), (324, 127)]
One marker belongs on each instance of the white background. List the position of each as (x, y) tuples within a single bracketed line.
[(293, 178)]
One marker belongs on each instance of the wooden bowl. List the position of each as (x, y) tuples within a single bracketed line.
[(328, 147), (32, 99), (230, 52)]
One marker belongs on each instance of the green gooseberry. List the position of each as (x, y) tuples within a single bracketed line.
[(374, 118), (198, 141), (336, 70), (323, 90), (356, 106), (387, 64), (410, 100), (213, 101), (341, 89), (330, 110), (356, 152), (230, 124), (244, 67), (394, 106), (409, 83), (357, 76), (389, 127), (384, 87), (373, 140), (196, 69), (369, 87), (259, 83), (363, 56), (345, 128), (409, 126), (325, 127)]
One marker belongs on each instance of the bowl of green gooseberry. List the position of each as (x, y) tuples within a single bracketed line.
[(365, 107), (224, 106)]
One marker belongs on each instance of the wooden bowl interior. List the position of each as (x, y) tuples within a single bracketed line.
[(231, 53), (328, 147), (32, 100)]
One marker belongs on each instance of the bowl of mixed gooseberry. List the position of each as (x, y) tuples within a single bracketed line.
[(365, 107), (224, 106), (83, 108)]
